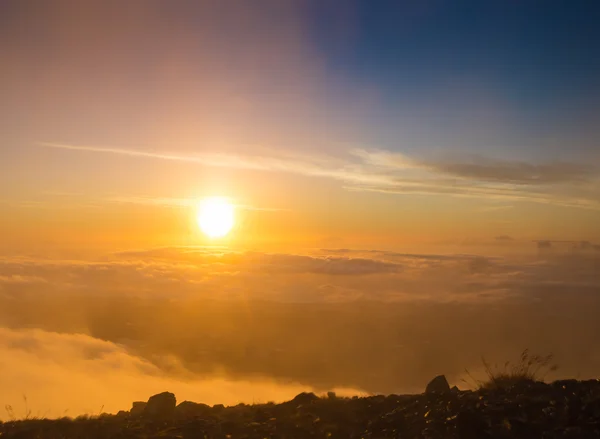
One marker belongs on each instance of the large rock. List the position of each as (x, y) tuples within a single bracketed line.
[(137, 408), (161, 406), (189, 409), (438, 385)]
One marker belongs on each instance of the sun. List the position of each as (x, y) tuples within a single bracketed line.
[(215, 216)]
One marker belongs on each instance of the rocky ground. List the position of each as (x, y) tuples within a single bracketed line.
[(563, 409)]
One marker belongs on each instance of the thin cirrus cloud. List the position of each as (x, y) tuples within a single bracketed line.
[(518, 172), (184, 202), (485, 169), (558, 183)]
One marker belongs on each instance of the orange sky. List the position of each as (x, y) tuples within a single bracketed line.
[(108, 137)]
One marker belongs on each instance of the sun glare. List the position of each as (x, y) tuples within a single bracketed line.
[(215, 216)]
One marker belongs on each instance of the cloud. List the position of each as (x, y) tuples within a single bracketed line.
[(209, 272), (209, 159), (560, 183), (296, 163), (485, 169), (483, 191), (564, 184), (183, 202), (73, 374), (213, 324), (193, 273), (515, 172), (273, 263), (338, 266)]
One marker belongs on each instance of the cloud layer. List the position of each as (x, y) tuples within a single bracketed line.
[(72, 374), (213, 324), (320, 276)]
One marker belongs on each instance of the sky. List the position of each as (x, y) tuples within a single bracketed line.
[(388, 123), (415, 184)]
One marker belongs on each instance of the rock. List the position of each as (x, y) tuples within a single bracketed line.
[(331, 395), (122, 414), (305, 398), (189, 409), (137, 408), (438, 385), (161, 406)]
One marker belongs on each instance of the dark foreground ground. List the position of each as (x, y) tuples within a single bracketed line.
[(563, 409)]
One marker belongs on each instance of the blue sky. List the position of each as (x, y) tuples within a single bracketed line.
[(513, 78), (537, 61)]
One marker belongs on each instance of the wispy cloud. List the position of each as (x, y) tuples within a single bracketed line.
[(225, 160), (478, 168), (183, 202), (558, 183), (316, 166)]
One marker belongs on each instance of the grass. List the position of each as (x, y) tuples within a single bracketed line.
[(27, 414), (11, 412), (529, 368)]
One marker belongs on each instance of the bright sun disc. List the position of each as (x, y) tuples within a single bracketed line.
[(215, 216)]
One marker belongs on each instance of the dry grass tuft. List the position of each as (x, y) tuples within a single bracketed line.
[(528, 369)]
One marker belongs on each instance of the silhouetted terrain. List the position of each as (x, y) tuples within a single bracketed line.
[(529, 410)]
